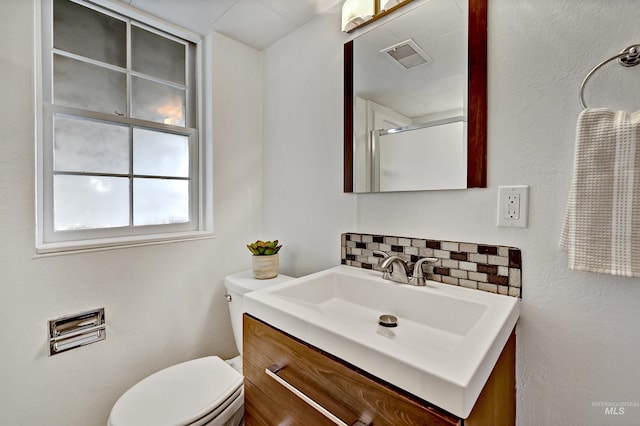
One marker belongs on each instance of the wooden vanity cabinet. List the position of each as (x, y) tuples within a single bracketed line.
[(347, 393)]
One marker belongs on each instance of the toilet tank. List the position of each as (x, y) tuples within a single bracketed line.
[(237, 286)]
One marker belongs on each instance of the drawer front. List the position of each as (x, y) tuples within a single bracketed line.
[(261, 410), (345, 393)]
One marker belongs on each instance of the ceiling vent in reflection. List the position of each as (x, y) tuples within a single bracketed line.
[(407, 54)]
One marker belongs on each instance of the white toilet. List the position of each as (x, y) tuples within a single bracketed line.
[(205, 391)]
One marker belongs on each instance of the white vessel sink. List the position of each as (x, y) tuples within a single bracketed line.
[(443, 349)]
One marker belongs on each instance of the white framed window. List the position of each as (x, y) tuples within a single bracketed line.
[(119, 139)]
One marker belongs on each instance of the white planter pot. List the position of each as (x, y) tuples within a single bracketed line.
[(265, 267)]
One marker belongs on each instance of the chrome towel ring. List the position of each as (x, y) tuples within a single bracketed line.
[(629, 57)]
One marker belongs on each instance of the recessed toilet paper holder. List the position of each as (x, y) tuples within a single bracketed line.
[(72, 331)]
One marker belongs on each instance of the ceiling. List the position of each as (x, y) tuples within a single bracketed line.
[(439, 28), (256, 23)]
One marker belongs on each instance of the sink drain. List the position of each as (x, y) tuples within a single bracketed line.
[(387, 320)]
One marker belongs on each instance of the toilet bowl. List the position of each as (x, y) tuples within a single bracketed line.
[(204, 391)]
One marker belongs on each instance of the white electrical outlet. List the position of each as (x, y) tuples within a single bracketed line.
[(513, 206)]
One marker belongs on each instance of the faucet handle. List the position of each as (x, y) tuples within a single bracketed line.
[(418, 277), (386, 274), (381, 253)]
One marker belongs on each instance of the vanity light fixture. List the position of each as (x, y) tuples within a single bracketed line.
[(388, 4), (356, 12), (407, 54)]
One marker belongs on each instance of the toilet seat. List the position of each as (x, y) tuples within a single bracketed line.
[(191, 393)]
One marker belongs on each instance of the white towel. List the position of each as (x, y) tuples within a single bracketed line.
[(601, 231)]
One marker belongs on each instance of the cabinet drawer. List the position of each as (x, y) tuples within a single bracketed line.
[(330, 382), (261, 410)]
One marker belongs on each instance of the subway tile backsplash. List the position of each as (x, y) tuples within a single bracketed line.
[(485, 267)]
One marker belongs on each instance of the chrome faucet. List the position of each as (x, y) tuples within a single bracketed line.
[(396, 269)]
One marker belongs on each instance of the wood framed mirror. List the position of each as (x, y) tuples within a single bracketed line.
[(385, 170)]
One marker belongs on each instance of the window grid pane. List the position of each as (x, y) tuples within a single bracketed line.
[(160, 154), (160, 201), (83, 85), (90, 146), (157, 102), (157, 56), (89, 202), (89, 33)]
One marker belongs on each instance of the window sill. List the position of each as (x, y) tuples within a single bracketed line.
[(76, 247)]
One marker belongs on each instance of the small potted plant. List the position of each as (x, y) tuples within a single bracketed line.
[(265, 261)]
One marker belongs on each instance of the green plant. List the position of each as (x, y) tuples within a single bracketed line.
[(264, 248)]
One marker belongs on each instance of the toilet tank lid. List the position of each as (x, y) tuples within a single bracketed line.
[(244, 282), (177, 395)]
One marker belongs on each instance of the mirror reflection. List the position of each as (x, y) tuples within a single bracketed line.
[(410, 101)]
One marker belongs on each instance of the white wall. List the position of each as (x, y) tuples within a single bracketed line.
[(164, 303), (304, 204), (578, 340)]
